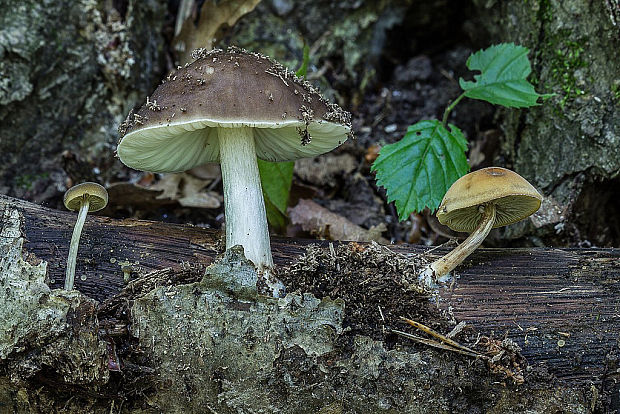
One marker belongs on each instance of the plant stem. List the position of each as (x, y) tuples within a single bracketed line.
[(75, 242), (444, 120)]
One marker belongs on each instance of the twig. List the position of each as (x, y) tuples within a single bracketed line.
[(417, 255), (449, 342), (457, 329), (383, 319), (436, 344)]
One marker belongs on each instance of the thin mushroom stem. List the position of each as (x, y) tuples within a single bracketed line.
[(447, 263), (75, 242)]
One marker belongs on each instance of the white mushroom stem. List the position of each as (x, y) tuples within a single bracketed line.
[(444, 265), (75, 243), (246, 220)]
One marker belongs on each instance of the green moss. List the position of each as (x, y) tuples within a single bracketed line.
[(25, 181), (565, 56), (544, 13), (565, 61), (615, 90)]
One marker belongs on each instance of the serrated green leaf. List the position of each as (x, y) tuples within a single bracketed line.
[(276, 179), (418, 170), (502, 79)]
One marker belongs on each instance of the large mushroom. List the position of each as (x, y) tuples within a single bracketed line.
[(476, 203), (231, 107)]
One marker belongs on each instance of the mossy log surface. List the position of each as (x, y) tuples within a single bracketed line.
[(561, 306)]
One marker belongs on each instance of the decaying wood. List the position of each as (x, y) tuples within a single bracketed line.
[(562, 306)]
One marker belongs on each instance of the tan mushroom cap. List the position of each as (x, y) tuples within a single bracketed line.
[(176, 129), (97, 196), (514, 198)]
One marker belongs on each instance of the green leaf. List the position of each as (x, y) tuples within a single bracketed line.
[(276, 219), (502, 79), (303, 69), (276, 179), (418, 170)]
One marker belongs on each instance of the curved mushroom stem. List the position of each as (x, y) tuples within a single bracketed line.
[(75, 242), (444, 265), (246, 219)]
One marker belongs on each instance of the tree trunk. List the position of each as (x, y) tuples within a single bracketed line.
[(187, 331), (569, 146), (70, 71)]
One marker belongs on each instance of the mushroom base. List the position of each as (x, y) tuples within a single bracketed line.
[(436, 271)]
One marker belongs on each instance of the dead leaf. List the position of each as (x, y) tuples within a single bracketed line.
[(170, 189), (372, 153), (187, 191), (321, 222), (326, 169), (168, 184), (201, 200), (193, 196), (214, 17), (210, 171)]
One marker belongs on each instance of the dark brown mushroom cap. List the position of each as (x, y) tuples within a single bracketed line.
[(228, 89), (96, 194)]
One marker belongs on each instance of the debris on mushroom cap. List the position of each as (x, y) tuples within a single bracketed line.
[(514, 198), (234, 88), (97, 196), (335, 113)]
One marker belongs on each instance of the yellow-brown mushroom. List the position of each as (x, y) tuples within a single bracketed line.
[(476, 203)]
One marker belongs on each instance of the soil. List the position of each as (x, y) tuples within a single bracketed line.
[(377, 286)]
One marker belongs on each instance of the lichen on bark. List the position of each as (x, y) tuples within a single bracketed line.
[(69, 72), (43, 330)]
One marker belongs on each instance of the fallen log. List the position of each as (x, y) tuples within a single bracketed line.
[(561, 306)]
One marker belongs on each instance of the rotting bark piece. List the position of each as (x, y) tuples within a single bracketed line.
[(55, 331)]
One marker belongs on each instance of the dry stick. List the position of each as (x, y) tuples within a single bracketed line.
[(436, 344), (442, 338)]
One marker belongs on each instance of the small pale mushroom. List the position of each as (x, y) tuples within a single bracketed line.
[(233, 107), (84, 198), (476, 203)]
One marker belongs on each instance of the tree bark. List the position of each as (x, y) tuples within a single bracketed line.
[(71, 71), (561, 306), (568, 146)]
